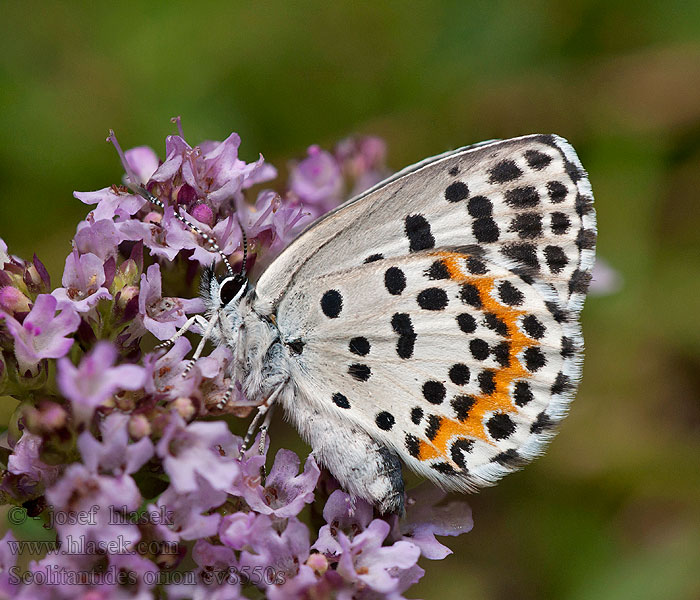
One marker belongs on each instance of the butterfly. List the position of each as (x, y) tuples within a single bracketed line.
[(431, 321)]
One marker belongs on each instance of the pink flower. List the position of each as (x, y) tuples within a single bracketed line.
[(114, 454), (162, 316), (190, 450), (143, 162), (82, 280), (112, 202), (96, 379), (286, 492), (317, 181), (43, 333)]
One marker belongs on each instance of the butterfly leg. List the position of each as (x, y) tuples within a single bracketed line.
[(262, 409), (198, 319), (208, 327), (233, 373), (261, 444)]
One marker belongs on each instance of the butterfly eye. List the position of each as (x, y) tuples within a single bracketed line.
[(230, 288)]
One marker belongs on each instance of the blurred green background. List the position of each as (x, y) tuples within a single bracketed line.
[(613, 509)]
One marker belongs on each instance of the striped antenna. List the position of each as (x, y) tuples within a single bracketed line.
[(142, 191), (206, 237), (244, 240)]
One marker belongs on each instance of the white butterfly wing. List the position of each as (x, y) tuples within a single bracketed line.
[(526, 200), (455, 363), (437, 314)]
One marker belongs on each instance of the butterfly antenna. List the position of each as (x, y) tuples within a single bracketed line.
[(244, 240), (191, 226)]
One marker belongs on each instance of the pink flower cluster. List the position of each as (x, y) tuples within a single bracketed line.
[(113, 445)]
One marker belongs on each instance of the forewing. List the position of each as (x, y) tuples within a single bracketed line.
[(526, 202), (460, 365)]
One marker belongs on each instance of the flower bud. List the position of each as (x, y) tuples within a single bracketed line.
[(127, 274), (13, 301), (47, 417), (139, 426), (184, 407), (186, 195), (36, 277), (126, 305), (318, 562), (203, 214), (49, 420)]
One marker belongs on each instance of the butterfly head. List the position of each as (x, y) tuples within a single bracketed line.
[(232, 288), (225, 292)]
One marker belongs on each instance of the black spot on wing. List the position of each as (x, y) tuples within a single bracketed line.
[(402, 325), (340, 400), (438, 270), (485, 230), (525, 254), (469, 294), (412, 445), (527, 225), (479, 349), (456, 191), (585, 239), (537, 160), (522, 197), (560, 315), (534, 359), (533, 327), (561, 384), (460, 447), (500, 426), (466, 322), (418, 232), (522, 393), (480, 206), (432, 299), (434, 391), (475, 266), (487, 382), (584, 205), (542, 422), (394, 281), (433, 427), (359, 345), (459, 374), (572, 170), (385, 420), (462, 405), (557, 191), (579, 282), (560, 223), (501, 354), (504, 171), (359, 372), (496, 324), (509, 458), (556, 258), (331, 303), (416, 415), (444, 468), (509, 294)]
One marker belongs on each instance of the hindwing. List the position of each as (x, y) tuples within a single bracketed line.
[(459, 365)]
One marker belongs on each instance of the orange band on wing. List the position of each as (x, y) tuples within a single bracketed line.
[(500, 398)]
